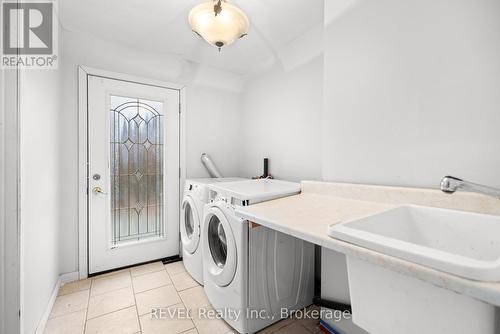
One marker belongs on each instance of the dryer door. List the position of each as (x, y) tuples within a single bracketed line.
[(219, 247), (190, 225)]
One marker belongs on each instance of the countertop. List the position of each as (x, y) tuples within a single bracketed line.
[(308, 215)]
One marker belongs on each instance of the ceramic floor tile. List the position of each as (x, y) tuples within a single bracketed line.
[(173, 320), (308, 319), (206, 325), (80, 285), (72, 323), (191, 331), (183, 281), (147, 268), (120, 322), (175, 268), (151, 281), (277, 326), (72, 302), (310, 324), (294, 328), (194, 297), (160, 297), (110, 302), (111, 273), (110, 283)]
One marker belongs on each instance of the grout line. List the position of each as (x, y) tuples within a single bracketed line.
[(136, 309), (197, 285), (62, 315), (192, 321), (114, 290), (85, 322), (149, 272), (161, 286), (108, 313), (110, 274), (88, 304)]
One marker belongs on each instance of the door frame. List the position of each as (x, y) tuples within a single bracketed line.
[(83, 206), (10, 213), (10, 192)]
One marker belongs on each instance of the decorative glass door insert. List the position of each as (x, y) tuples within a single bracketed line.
[(133, 168), (136, 168)]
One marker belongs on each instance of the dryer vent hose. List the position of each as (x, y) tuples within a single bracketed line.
[(210, 166)]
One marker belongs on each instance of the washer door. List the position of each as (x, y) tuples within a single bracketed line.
[(190, 225), (219, 247)]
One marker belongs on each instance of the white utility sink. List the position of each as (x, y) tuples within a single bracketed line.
[(460, 243)]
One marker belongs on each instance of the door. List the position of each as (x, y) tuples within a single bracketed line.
[(133, 168)]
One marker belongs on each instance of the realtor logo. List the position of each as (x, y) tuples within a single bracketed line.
[(29, 35)]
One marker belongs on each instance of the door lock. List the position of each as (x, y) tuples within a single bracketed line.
[(96, 177)]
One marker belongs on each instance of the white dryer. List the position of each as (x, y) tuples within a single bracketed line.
[(251, 274), (195, 198)]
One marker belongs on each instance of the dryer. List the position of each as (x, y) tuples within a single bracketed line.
[(251, 274), (194, 199)]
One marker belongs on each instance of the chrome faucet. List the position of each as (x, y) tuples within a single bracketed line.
[(450, 184)]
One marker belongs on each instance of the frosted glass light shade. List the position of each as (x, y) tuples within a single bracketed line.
[(221, 30)]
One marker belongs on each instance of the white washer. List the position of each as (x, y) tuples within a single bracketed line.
[(252, 273), (195, 198)]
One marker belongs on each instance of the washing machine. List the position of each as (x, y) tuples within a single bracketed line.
[(251, 273), (194, 199)]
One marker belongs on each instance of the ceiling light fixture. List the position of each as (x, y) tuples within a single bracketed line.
[(218, 22)]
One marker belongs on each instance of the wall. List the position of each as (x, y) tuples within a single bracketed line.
[(213, 126), (282, 121), (412, 92), (212, 104), (40, 187)]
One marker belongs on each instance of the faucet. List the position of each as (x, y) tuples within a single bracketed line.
[(450, 184)]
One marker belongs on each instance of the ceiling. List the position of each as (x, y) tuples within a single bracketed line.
[(161, 26)]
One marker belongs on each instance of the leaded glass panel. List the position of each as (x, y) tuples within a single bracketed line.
[(136, 164)]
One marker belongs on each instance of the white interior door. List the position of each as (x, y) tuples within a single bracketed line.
[(133, 138)]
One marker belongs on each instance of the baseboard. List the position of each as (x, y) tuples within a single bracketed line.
[(70, 277), (45, 317), (63, 279)]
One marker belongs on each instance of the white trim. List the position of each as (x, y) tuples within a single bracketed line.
[(130, 78), (45, 317), (69, 277), (83, 73), (82, 174), (10, 238), (2, 203), (63, 279), (182, 153)]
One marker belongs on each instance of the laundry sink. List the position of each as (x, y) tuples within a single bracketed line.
[(461, 243)]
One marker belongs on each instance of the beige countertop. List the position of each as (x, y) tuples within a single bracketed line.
[(308, 215)]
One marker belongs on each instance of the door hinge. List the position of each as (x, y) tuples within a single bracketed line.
[(179, 108), (180, 173)]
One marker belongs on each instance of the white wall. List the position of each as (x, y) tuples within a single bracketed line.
[(215, 108), (213, 126), (412, 92), (40, 188), (282, 121)]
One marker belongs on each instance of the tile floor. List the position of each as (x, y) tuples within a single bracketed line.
[(121, 302)]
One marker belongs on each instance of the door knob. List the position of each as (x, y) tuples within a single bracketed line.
[(98, 190)]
